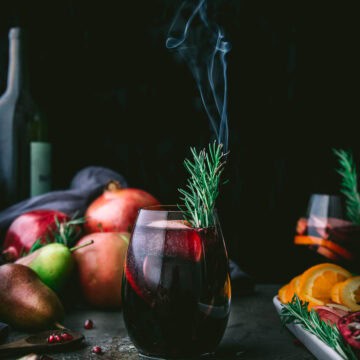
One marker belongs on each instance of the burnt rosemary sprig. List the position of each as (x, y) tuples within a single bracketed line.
[(202, 188), (296, 312), (349, 184)]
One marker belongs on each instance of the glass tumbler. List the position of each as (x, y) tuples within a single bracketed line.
[(327, 230), (176, 286)]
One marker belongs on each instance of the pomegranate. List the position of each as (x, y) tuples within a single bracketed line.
[(29, 227), (329, 314), (100, 268), (349, 327), (116, 209)]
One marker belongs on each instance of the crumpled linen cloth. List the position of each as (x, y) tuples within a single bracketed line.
[(86, 185)]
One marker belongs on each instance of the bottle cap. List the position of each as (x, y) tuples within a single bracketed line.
[(14, 33)]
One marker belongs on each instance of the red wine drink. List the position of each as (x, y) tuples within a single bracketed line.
[(176, 286), (326, 230)]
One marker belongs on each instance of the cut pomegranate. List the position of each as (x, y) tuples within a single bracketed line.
[(349, 327), (330, 315)]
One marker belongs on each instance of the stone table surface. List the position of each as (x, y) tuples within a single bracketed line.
[(254, 332)]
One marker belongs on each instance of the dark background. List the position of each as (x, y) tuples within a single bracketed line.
[(116, 97)]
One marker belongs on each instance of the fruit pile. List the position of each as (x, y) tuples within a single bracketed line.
[(334, 294), (324, 284), (48, 255)]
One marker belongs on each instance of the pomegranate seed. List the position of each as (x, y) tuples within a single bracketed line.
[(57, 338), (97, 350), (88, 324), (66, 337), (297, 342), (51, 339)]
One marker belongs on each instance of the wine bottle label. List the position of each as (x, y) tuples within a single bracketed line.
[(40, 168)]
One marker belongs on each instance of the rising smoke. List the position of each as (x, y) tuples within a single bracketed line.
[(201, 43)]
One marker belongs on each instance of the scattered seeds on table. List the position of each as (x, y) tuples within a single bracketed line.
[(88, 324), (97, 350)]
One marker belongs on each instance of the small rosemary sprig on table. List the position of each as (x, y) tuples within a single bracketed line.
[(202, 188), (349, 184), (297, 312)]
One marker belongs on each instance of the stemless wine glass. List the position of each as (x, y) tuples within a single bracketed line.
[(326, 230), (176, 286)]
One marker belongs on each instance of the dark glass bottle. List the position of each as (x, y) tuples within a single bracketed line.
[(40, 154), (24, 150)]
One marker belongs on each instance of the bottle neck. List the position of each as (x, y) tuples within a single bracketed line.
[(16, 75), (38, 130)]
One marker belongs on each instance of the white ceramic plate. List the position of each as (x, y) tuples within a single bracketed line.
[(319, 349)]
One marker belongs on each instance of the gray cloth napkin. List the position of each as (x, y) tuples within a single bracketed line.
[(86, 185)]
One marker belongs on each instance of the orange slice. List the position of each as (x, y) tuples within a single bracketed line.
[(312, 301), (336, 250), (290, 291), (348, 293), (282, 294), (322, 250), (316, 283), (335, 293)]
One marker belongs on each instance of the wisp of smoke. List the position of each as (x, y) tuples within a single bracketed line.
[(201, 43)]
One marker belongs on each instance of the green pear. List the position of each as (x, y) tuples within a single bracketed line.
[(25, 302), (53, 263)]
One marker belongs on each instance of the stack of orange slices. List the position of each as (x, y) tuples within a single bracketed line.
[(322, 285)]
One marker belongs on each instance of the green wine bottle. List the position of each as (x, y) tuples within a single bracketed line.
[(24, 151)]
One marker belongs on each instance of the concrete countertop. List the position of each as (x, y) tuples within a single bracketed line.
[(254, 332)]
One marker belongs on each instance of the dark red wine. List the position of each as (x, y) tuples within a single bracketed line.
[(176, 291)]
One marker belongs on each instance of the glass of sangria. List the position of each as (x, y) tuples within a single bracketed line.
[(326, 230), (176, 287)]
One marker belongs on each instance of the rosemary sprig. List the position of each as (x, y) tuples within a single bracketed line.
[(202, 188), (66, 233), (349, 184), (297, 312)]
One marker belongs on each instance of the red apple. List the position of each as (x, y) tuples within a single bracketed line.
[(29, 227), (100, 268), (116, 209)]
